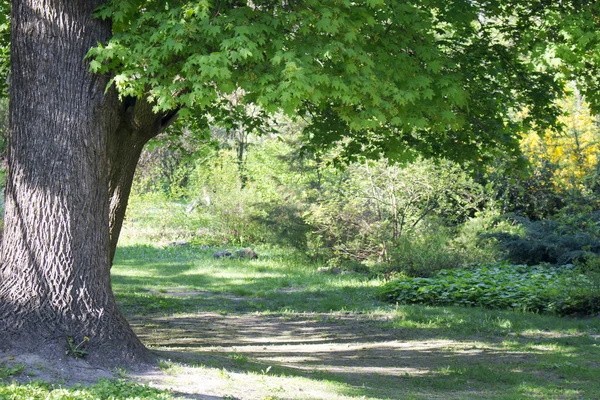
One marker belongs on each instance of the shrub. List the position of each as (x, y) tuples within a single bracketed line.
[(559, 290), (425, 254), (219, 198), (285, 223), (377, 213), (436, 246), (469, 238), (589, 264), (559, 241)]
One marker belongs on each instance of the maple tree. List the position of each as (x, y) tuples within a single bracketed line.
[(388, 77), (392, 78)]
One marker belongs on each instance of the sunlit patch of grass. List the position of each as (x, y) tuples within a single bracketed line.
[(273, 284), (170, 367), (492, 353), (532, 390), (461, 321), (104, 389)]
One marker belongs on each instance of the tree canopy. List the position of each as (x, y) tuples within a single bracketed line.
[(383, 77)]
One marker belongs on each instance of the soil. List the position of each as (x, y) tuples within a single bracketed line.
[(208, 354)]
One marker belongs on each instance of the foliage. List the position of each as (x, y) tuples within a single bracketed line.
[(76, 348), (437, 246), (167, 160), (374, 207), (522, 189), (560, 290), (557, 241), (569, 156), (8, 370), (424, 254), (229, 204), (571, 43), (558, 167), (363, 214), (589, 264), (415, 217), (381, 78), (471, 241), (221, 200)]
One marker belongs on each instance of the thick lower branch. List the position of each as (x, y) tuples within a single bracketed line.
[(138, 125), (124, 159)]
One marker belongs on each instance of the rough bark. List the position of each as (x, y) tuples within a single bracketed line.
[(56, 252)]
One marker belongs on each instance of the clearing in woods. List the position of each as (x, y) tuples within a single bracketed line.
[(281, 328)]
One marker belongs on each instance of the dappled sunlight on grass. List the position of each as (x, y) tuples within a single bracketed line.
[(278, 283), (476, 320), (375, 369), (277, 325)]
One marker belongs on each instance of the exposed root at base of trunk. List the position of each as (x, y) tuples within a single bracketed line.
[(67, 371), (107, 353)]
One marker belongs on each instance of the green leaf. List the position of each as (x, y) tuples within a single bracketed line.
[(95, 66)]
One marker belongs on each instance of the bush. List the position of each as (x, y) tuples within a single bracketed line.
[(560, 290), (589, 264), (380, 213), (285, 223), (424, 254), (219, 198), (559, 241)]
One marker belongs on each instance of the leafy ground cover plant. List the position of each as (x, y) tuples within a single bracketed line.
[(560, 290)]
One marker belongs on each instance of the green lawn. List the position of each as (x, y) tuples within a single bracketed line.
[(465, 352), (280, 328)]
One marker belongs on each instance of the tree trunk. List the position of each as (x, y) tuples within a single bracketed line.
[(137, 125), (56, 253)]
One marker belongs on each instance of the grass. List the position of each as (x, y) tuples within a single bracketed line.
[(8, 371), (472, 353), (104, 389), (278, 328), (148, 279)]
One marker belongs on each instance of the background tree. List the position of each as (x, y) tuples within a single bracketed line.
[(571, 152)]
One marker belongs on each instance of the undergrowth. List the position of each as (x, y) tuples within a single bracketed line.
[(559, 290)]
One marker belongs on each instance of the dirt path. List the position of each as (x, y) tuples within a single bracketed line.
[(312, 356), (250, 356)]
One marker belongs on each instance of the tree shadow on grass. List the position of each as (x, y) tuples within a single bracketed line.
[(342, 335), (369, 358)]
